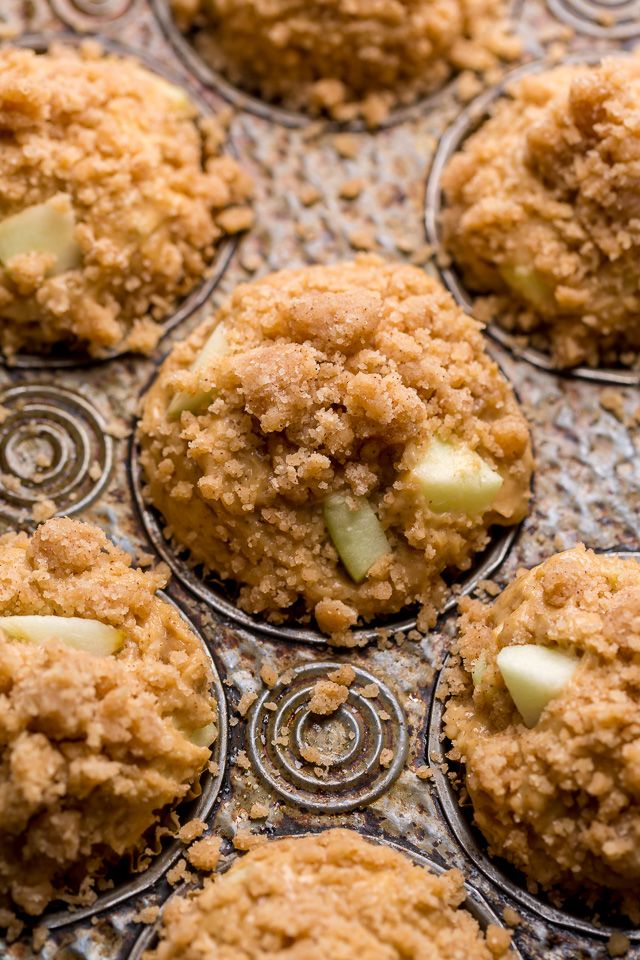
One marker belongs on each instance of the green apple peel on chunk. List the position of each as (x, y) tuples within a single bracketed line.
[(455, 478), (216, 346), (529, 284), (534, 675), (91, 636), (356, 534), (44, 228)]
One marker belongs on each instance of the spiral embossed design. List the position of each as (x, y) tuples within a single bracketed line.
[(53, 446), (362, 745), (614, 19)]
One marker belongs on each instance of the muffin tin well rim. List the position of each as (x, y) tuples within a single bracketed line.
[(568, 12), (224, 251), (204, 804), (214, 79), (474, 903), (490, 560), (470, 839), (466, 123)]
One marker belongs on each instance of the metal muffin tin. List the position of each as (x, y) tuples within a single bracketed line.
[(66, 435)]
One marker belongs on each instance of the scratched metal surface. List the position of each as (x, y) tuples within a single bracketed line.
[(587, 484)]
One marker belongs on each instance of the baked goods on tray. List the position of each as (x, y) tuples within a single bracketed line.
[(333, 442), (543, 713), (106, 718), (542, 212), (114, 195)]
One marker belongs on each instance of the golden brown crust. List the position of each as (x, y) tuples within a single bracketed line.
[(330, 895), (92, 748), (550, 182), (347, 58), (334, 378), (145, 178), (561, 800)]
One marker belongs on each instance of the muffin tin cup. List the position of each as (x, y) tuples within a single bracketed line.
[(242, 100), (452, 140), (59, 358), (501, 874), (200, 806), (213, 594), (475, 904)]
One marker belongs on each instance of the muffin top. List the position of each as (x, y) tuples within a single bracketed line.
[(555, 782), (114, 195), (334, 895), (346, 58), (541, 208), (106, 711), (317, 446)]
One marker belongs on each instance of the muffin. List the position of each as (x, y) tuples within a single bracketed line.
[(334, 895), (541, 212), (114, 196), (107, 714), (544, 715), (334, 441), (346, 58)]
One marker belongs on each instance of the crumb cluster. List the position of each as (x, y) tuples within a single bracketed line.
[(94, 748), (561, 800), (542, 211), (333, 379), (151, 194), (347, 58), (329, 895)]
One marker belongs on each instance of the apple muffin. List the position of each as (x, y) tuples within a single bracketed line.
[(346, 58), (333, 441), (114, 195), (106, 719), (541, 209), (333, 894), (543, 712)]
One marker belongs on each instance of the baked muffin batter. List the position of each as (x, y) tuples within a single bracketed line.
[(559, 799), (329, 895), (95, 745), (113, 198), (541, 209), (308, 412), (346, 57)]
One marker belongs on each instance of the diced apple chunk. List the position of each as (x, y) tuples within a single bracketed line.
[(455, 478), (357, 534), (89, 635), (534, 675), (529, 284), (216, 346), (44, 228), (204, 736)]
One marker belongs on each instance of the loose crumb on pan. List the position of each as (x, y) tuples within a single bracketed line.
[(326, 697), (94, 748), (332, 380), (145, 180), (541, 212), (205, 854), (331, 895), (559, 800), (347, 59)]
